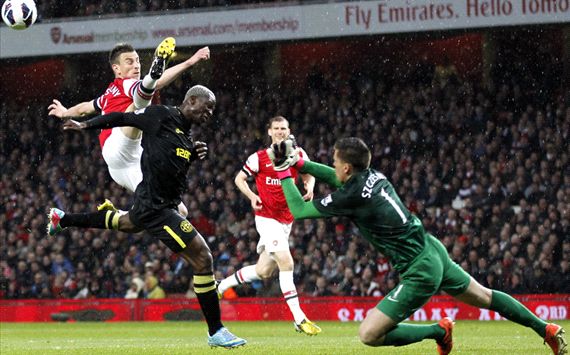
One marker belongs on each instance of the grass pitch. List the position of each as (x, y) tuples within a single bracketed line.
[(470, 337)]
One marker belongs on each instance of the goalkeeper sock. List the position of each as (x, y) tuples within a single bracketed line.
[(245, 274), (143, 94), (404, 334), (290, 294), (515, 311), (99, 219), (205, 288)]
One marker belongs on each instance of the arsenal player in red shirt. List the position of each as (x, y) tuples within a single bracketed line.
[(273, 221), (121, 146)]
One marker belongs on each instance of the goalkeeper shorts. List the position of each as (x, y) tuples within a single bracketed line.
[(432, 270)]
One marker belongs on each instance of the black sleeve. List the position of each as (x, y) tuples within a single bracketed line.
[(145, 119), (96, 104)]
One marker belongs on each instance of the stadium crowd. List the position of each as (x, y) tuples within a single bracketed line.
[(73, 8), (487, 170)]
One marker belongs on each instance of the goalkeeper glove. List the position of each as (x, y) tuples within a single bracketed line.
[(283, 155)]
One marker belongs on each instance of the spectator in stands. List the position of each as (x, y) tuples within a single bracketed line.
[(136, 288), (151, 288), (34, 170), (321, 288), (40, 286), (50, 9)]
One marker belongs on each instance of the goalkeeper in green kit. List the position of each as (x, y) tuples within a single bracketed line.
[(366, 197)]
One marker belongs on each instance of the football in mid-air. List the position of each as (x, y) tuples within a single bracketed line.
[(19, 14)]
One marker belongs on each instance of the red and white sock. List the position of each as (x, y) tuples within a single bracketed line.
[(246, 274), (290, 294), (143, 93)]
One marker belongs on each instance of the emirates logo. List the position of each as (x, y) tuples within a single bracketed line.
[(55, 34)]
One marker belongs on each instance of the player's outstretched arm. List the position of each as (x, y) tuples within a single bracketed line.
[(174, 72), (73, 125), (139, 119), (58, 110), (321, 172), (300, 209), (286, 154), (101, 121)]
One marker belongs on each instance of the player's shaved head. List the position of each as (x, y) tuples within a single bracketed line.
[(353, 151), (277, 119), (119, 49), (200, 91)]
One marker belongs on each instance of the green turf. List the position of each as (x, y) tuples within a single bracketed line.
[(470, 337)]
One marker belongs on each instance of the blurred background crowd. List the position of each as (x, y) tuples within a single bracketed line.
[(486, 168), (484, 163), (72, 8)]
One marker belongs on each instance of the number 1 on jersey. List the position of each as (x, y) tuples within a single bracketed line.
[(395, 205)]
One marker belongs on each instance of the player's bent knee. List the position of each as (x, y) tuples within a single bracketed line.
[(284, 260), (126, 225), (198, 255), (281, 267), (201, 263), (264, 272), (206, 259), (369, 336), (486, 295), (477, 295), (286, 266), (374, 327)]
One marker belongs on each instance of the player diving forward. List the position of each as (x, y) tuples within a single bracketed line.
[(121, 146), (166, 158), (367, 198)]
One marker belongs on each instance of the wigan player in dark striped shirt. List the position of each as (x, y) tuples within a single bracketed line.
[(168, 151)]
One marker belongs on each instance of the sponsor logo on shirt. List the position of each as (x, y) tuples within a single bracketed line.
[(270, 181), (114, 91), (140, 111), (183, 153)]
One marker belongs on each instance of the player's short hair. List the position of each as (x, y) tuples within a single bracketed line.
[(200, 91), (119, 49), (276, 119), (353, 151)]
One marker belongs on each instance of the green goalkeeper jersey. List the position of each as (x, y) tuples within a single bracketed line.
[(369, 200)]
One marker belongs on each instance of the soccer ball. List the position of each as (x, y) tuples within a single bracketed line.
[(19, 14)]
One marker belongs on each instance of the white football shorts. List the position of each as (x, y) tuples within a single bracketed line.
[(123, 158), (273, 235)]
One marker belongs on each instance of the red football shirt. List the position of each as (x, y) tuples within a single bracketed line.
[(268, 185), (117, 98)]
